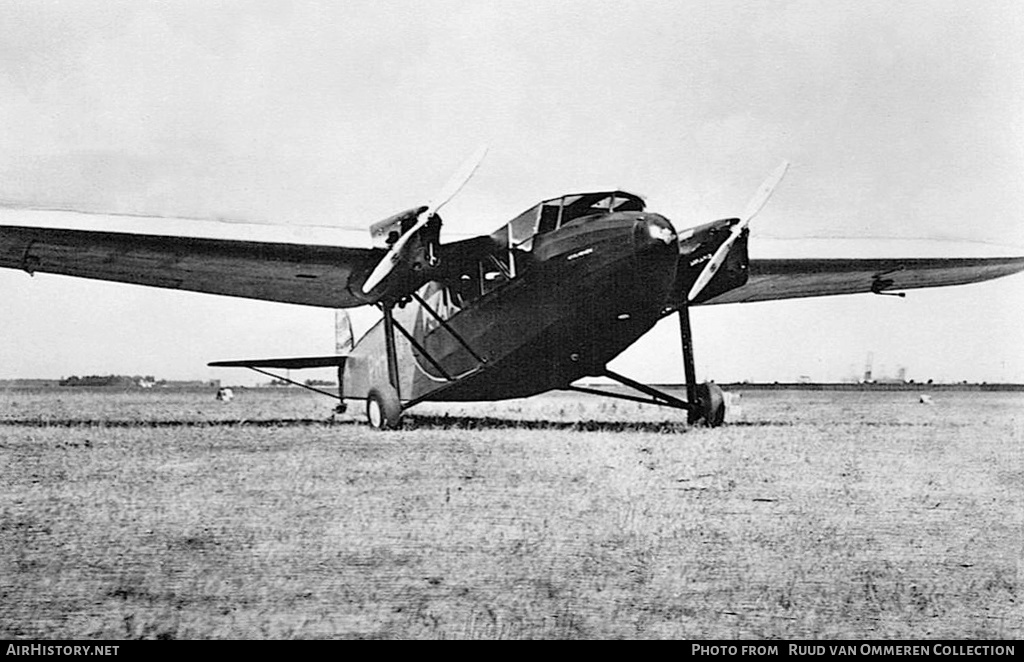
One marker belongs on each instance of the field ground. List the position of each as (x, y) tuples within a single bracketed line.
[(815, 514)]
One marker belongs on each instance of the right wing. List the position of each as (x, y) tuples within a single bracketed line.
[(795, 278), (308, 265)]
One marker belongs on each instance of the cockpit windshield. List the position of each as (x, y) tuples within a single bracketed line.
[(552, 214)]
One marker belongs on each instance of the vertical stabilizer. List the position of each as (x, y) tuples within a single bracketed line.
[(344, 341)]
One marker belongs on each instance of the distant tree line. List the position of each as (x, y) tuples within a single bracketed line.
[(121, 381), (135, 381)]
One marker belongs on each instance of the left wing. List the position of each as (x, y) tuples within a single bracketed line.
[(795, 278), (308, 265)]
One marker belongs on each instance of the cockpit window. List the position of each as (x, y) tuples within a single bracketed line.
[(598, 203), (517, 236), (553, 214), (549, 215), (521, 230)]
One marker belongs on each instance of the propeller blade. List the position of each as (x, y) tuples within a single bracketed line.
[(711, 268), (755, 205), (456, 181), (443, 197), (760, 198), (388, 262)]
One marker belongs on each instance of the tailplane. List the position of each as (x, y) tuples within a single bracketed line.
[(344, 342), (294, 363)]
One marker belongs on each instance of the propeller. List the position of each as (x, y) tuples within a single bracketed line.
[(753, 207), (447, 192)]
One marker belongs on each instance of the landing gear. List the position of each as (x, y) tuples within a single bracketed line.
[(383, 408), (704, 404), (707, 399), (383, 403), (707, 407)]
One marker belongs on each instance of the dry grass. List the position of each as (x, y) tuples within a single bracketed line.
[(168, 515)]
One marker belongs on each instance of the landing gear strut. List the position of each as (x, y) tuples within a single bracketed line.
[(704, 404), (707, 400), (384, 403)]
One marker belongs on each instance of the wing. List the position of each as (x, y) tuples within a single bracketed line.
[(794, 278), (292, 264)]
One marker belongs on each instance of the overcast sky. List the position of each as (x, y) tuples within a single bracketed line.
[(903, 123)]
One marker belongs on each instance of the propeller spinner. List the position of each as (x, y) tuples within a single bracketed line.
[(753, 207), (397, 250)]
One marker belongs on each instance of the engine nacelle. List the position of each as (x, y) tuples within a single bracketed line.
[(386, 232), (418, 261), (696, 250)]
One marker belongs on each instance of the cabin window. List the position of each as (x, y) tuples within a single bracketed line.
[(493, 274), (488, 274), (466, 290), (445, 302)]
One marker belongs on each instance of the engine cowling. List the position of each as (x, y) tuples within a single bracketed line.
[(419, 258), (697, 249)]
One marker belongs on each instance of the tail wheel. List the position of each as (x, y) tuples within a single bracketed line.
[(711, 400), (383, 408)]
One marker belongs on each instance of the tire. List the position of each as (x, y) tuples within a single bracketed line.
[(383, 408), (711, 399)]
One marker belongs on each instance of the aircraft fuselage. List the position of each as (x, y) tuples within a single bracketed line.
[(518, 322)]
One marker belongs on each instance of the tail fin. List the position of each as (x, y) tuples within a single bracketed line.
[(344, 341)]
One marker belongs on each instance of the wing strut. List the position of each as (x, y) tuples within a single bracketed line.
[(448, 328)]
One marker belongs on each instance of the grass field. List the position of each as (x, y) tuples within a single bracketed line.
[(815, 514)]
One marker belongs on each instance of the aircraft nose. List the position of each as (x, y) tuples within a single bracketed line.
[(655, 232), (656, 254)]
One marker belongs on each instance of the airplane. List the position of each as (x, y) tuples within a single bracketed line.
[(545, 300)]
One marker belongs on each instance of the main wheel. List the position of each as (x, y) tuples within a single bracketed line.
[(711, 401), (383, 408)]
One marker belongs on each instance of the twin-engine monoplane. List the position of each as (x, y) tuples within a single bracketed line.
[(545, 300)]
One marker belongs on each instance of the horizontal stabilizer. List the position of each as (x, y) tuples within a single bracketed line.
[(296, 363)]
